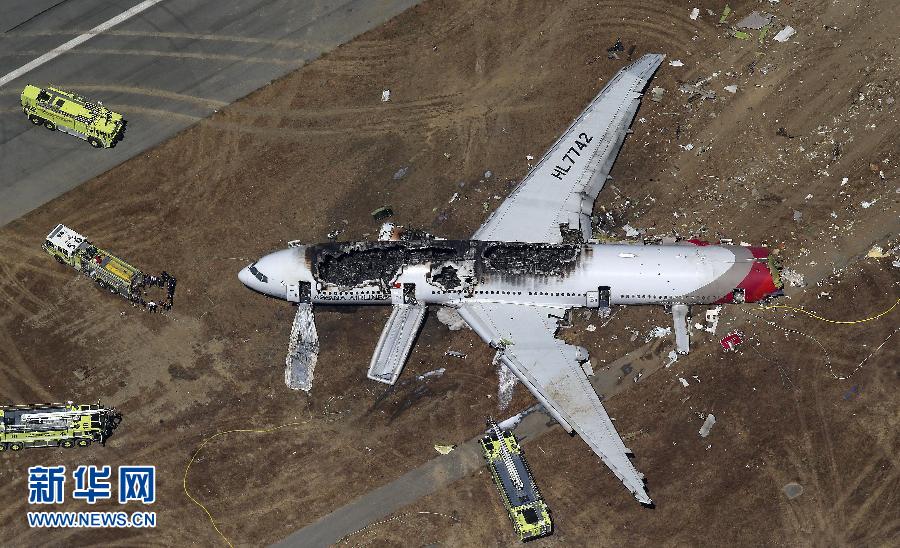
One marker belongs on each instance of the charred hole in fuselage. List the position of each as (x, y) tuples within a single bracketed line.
[(535, 259), (353, 264), (447, 277)]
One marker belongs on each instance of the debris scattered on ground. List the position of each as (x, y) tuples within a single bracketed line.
[(696, 90), (794, 278), (673, 357), (731, 341), (688, 146), (695, 13), (455, 354), (334, 234), (444, 449), (488, 174), (867, 205), (401, 173), (631, 232), (382, 213), (731, 89), (877, 252), (454, 197), (792, 490), (785, 34), (676, 63), (451, 318), (755, 21), (385, 96), (725, 13), (683, 382), (611, 51), (433, 373), (707, 425), (658, 333), (656, 94), (712, 319), (591, 328), (798, 216)]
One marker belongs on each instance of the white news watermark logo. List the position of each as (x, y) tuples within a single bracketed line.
[(47, 485)]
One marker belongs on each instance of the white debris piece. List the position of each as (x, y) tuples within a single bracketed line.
[(455, 354), (591, 328), (845, 180), (712, 319), (454, 197), (785, 34), (303, 350), (867, 205), (673, 357), (793, 277), (451, 318), (434, 373), (631, 232), (444, 449), (385, 96), (688, 146), (707, 425), (695, 13), (529, 157), (676, 63), (656, 94), (731, 89), (683, 382), (658, 333)]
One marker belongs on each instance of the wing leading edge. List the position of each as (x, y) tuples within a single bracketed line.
[(525, 338), (561, 189)]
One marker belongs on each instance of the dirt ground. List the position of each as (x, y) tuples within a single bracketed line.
[(477, 87)]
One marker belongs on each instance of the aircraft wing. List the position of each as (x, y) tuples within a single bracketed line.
[(525, 338), (562, 187)]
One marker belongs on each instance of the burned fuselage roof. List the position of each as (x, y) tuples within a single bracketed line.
[(356, 263)]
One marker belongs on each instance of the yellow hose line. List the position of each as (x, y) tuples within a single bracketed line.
[(200, 448), (816, 316)]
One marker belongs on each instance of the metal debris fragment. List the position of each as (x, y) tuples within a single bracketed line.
[(401, 173), (755, 21), (385, 96), (676, 63), (785, 34), (591, 328), (656, 94), (794, 278), (695, 13), (444, 449), (707, 425), (683, 382), (731, 341), (455, 354), (731, 89)]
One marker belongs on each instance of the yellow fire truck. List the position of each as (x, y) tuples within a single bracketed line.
[(55, 425), (71, 113), (527, 511), (107, 270)]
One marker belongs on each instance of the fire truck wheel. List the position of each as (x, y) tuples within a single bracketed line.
[(2, 447), (83, 443), (36, 120), (15, 446), (50, 125), (94, 142), (67, 443), (59, 259)]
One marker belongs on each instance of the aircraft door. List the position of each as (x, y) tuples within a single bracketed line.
[(293, 293), (603, 294), (300, 292), (409, 294)]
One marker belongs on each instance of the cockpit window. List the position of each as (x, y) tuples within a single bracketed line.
[(257, 274)]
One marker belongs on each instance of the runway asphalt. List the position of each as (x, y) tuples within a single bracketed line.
[(164, 69)]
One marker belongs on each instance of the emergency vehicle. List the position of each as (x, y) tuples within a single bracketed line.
[(527, 511), (71, 113), (55, 425), (108, 271)]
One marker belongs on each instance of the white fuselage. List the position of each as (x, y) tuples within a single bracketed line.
[(574, 275)]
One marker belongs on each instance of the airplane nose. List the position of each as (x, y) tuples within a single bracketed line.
[(246, 277)]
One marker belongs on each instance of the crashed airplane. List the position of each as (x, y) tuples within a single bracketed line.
[(528, 265)]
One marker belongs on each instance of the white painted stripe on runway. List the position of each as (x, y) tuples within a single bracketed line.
[(56, 52)]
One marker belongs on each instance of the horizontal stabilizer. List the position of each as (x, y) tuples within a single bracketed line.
[(396, 342)]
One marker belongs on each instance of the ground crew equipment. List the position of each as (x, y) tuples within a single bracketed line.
[(527, 510), (55, 425), (71, 113)]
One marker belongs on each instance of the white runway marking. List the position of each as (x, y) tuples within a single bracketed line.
[(56, 52)]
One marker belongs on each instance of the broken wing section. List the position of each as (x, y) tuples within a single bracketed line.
[(525, 338), (396, 342), (558, 194)]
